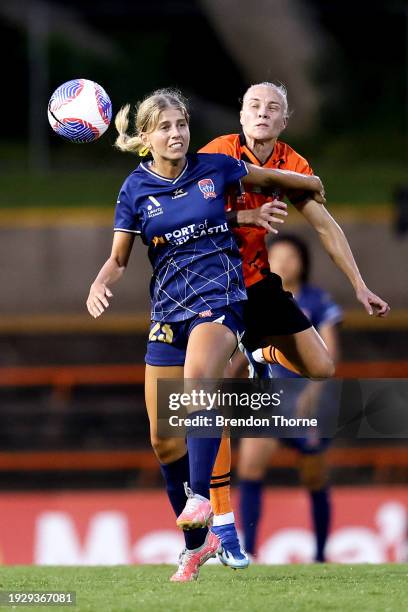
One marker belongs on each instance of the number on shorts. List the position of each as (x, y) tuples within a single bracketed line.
[(161, 333)]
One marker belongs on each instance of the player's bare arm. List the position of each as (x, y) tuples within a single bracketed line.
[(269, 177), (337, 246), (111, 271)]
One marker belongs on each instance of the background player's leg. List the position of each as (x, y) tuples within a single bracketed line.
[(313, 475), (304, 353), (254, 456), (171, 452)]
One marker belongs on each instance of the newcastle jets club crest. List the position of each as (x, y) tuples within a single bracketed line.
[(207, 188)]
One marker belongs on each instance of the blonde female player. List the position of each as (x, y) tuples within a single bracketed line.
[(175, 201)]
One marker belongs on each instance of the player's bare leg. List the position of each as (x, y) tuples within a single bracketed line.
[(167, 450), (254, 457), (304, 352), (209, 348), (201, 545)]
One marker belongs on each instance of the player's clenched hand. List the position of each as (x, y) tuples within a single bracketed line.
[(265, 215), (98, 299), (319, 187), (373, 304), (318, 192), (319, 197)]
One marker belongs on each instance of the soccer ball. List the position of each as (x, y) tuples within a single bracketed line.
[(80, 110)]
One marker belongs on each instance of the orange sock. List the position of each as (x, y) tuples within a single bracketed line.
[(220, 479), (272, 355)]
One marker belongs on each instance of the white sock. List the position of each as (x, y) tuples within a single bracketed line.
[(258, 356), (223, 519)]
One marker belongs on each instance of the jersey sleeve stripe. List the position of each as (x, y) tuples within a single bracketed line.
[(128, 231)]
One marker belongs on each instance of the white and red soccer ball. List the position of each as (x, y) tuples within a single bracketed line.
[(80, 110)]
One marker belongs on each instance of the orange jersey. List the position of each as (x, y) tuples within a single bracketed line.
[(251, 240)]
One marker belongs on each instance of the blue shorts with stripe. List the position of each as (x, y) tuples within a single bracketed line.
[(167, 343)]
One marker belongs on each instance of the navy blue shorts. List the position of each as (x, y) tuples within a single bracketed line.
[(167, 343)]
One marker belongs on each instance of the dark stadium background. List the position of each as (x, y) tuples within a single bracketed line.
[(71, 398)]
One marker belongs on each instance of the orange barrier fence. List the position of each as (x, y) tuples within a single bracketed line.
[(138, 323), (372, 369), (377, 457), (65, 378), (71, 376), (119, 374)]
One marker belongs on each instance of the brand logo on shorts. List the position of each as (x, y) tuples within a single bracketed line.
[(207, 188), (205, 313)]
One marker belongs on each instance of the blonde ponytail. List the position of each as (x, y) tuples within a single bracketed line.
[(124, 142), (146, 119)]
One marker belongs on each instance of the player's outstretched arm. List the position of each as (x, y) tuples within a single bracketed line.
[(337, 246), (286, 179), (111, 271)]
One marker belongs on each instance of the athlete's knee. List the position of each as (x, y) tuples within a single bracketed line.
[(197, 371), (251, 470), (167, 450), (322, 368), (313, 472)]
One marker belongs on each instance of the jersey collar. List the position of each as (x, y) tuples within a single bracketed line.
[(276, 158), (163, 178)]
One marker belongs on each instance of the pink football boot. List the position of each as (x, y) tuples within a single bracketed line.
[(197, 511), (191, 560)]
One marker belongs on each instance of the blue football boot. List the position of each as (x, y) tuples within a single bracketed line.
[(231, 554)]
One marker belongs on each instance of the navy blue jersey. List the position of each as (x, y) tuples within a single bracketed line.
[(195, 259), (319, 307)]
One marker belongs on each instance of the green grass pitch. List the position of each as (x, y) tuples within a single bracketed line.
[(316, 588)]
